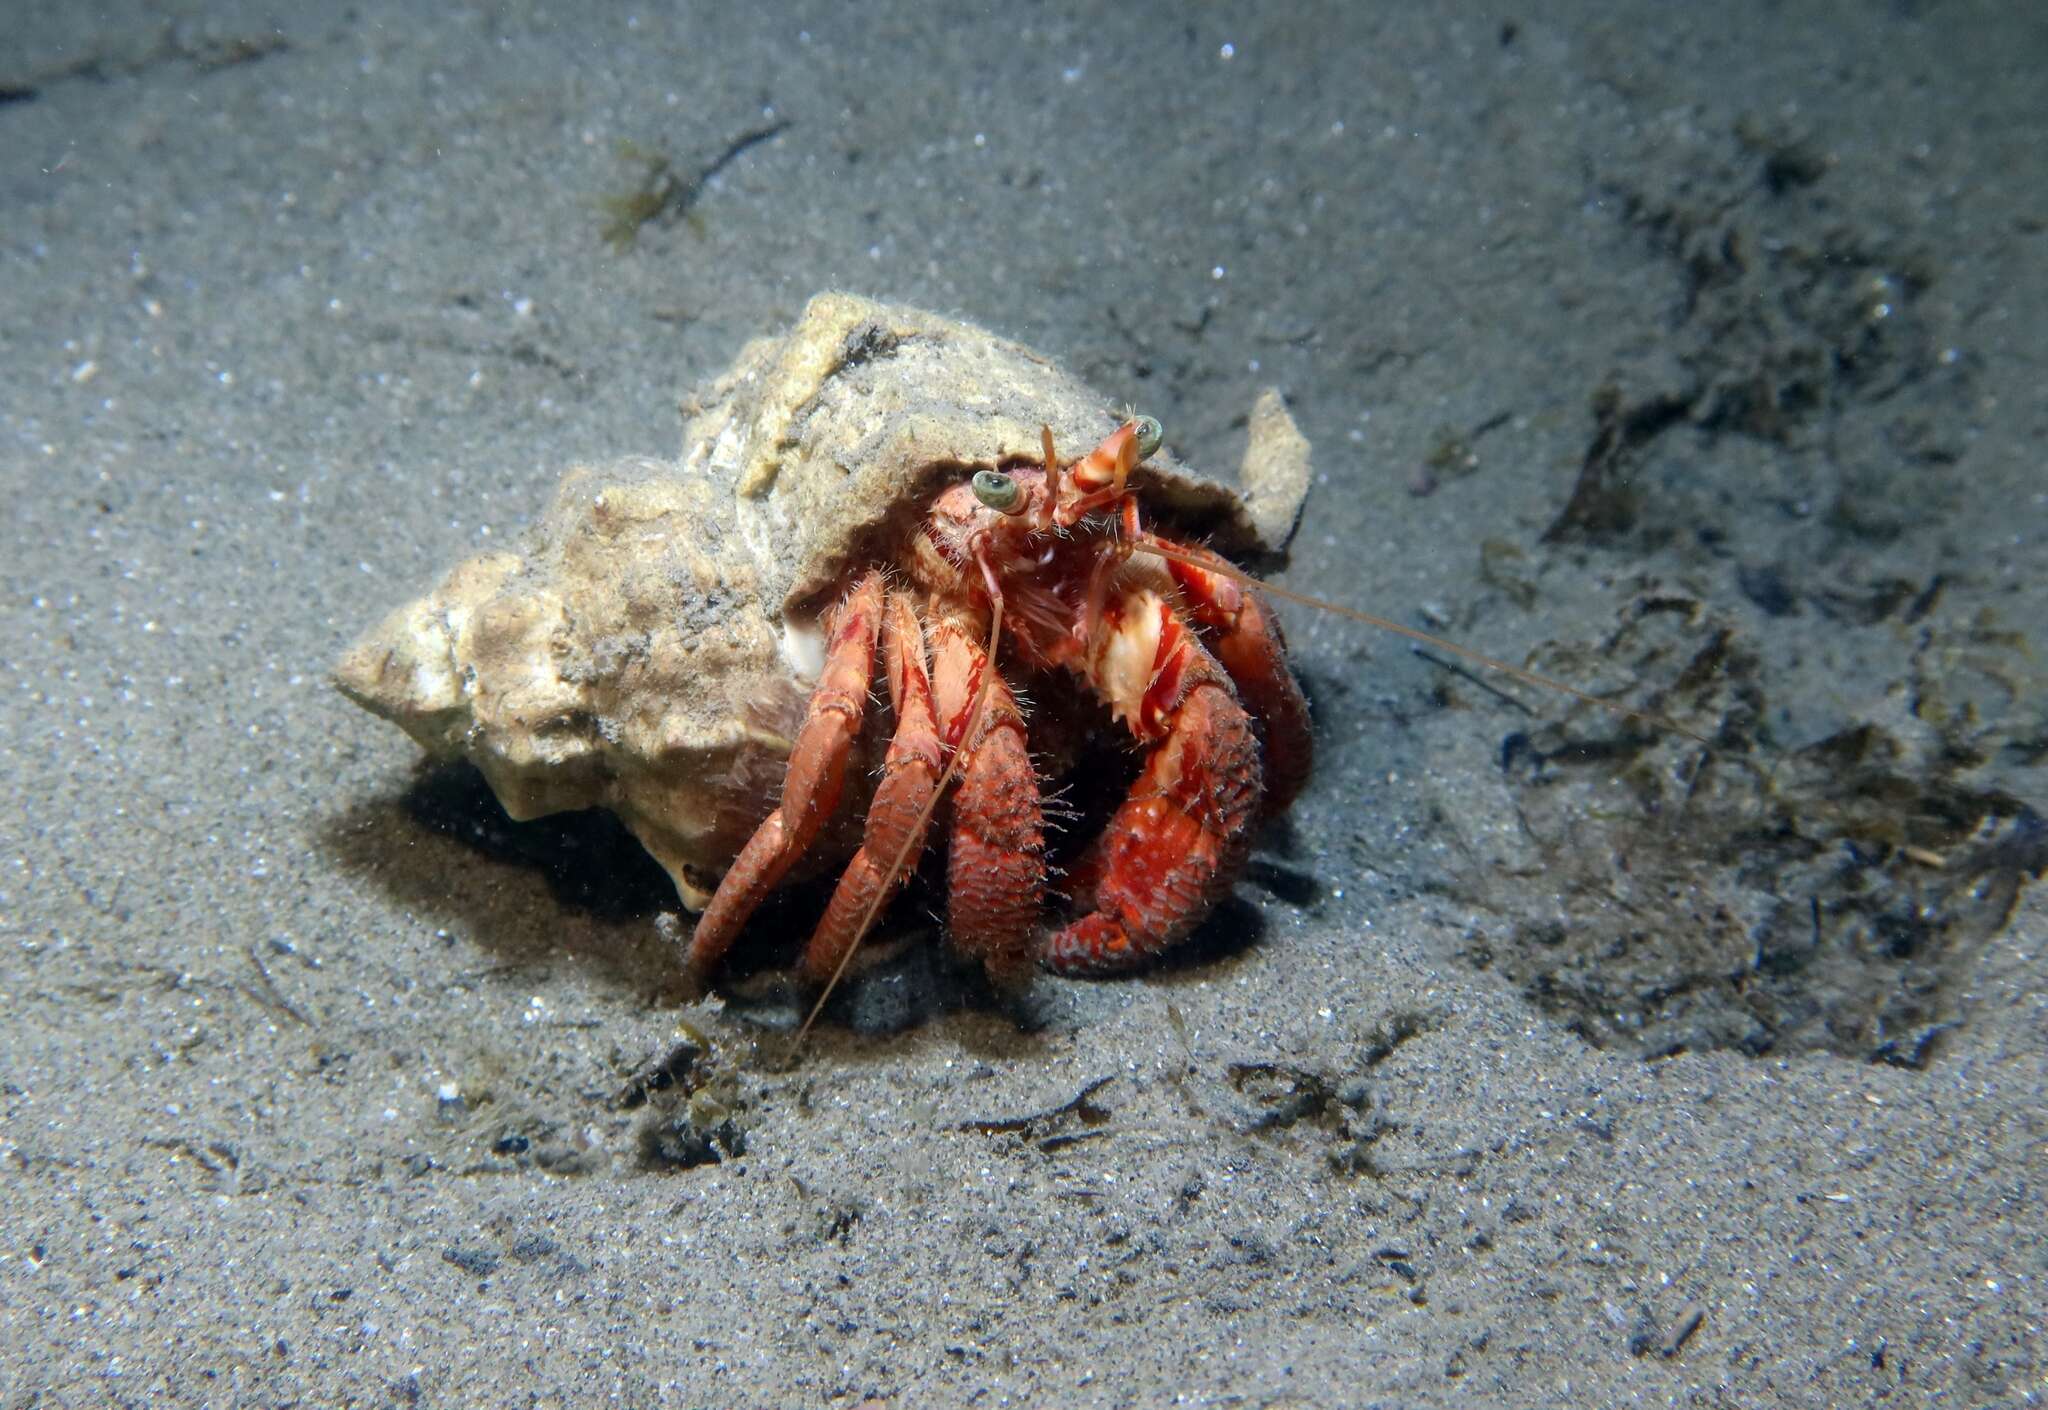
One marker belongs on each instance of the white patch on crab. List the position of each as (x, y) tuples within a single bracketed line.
[(803, 650), (1123, 664)]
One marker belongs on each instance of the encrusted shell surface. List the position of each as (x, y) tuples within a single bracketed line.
[(650, 646)]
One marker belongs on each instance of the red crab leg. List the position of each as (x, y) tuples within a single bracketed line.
[(1247, 641), (996, 871), (901, 810), (1180, 838), (810, 790)]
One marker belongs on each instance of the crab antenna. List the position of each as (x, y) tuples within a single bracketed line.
[(1527, 677), (915, 837), (1048, 516)]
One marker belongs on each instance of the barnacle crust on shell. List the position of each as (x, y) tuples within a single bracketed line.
[(650, 646)]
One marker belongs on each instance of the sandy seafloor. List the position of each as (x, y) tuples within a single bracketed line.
[(308, 1102)]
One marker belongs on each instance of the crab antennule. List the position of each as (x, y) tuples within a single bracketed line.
[(1049, 508), (1108, 465), (1098, 478)]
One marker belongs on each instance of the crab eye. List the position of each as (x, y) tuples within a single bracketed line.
[(1150, 434), (998, 491)]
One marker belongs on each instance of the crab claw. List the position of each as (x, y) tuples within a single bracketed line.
[(1175, 845)]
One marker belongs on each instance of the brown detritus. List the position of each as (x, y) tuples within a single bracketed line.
[(205, 50), (1605, 499), (1503, 566), (1830, 897), (671, 1066), (269, 994), (1785, 317), (1452, 455), (1285, 1096), (628, 210), (1652, 1340), (1788, 161), (663, 193), (1863, 604), (692, 1102), (684, 1140), (1074, 1120)]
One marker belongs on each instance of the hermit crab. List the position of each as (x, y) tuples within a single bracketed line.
[(694, 645)]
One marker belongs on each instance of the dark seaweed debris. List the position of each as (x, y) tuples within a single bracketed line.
[(1673, 897), (1788, 313), (692, 1104), (664, 193)]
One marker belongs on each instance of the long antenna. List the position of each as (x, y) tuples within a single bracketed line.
[(1527, 677)]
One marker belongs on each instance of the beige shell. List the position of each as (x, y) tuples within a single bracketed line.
[(650, 647)]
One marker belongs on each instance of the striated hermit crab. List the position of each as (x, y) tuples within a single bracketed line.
[(692, 644)]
